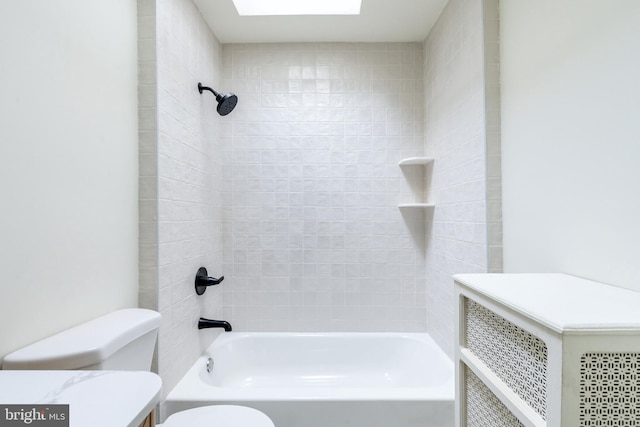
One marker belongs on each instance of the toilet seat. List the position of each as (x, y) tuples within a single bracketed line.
[(219, 416)]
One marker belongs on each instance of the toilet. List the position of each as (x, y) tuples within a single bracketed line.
[(123, 340), (219, 415)]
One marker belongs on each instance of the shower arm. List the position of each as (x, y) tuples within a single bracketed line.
[(201, 88)]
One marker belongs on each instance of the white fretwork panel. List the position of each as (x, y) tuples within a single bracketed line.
[(484, 409), (610, 389), (518, 358)]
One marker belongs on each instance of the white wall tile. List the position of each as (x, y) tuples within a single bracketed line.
[(317, 129), (465, 236), (293, 197), (182, 177)]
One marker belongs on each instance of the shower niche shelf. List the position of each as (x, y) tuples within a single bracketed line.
[(415, 161), (416, 176), (545, 350)]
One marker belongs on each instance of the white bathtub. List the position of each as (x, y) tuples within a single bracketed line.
[(325, 379)]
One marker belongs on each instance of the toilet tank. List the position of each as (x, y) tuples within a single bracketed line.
[(123, 340)]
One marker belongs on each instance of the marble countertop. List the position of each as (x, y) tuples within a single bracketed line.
[(95, 398)]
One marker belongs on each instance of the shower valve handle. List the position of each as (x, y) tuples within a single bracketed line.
[(203, 280)]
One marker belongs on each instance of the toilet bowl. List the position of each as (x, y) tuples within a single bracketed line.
[(123, 340), (221, 415)]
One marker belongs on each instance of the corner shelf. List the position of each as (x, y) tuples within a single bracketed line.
[(415, 161), (422, 162)]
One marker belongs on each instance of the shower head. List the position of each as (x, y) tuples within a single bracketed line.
[(226, 102)]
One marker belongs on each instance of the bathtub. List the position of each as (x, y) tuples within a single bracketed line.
[(325, 379)]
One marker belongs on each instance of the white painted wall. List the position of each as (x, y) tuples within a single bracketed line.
[(68, 164), (571, 138)]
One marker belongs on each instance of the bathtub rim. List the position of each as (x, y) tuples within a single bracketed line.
[(191, 390)]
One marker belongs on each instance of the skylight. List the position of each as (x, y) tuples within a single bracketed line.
[(297, 7)]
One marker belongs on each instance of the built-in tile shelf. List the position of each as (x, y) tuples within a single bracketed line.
[(419, 162), (415, 161)]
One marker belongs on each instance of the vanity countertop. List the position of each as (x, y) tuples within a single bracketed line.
[(95, 398)]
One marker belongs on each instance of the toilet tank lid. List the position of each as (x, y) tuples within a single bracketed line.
[(86, 344)]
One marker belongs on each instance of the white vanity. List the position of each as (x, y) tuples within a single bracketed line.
[(546, 350), (95, 398)]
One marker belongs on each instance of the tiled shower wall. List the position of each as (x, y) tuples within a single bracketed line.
[(313, 237), (189, 179), (462, 133), (491, 23), (293, 196), (147, 157), (180, 177)]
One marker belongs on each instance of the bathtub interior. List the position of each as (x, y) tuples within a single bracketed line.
[(324, 380), (325, 360)]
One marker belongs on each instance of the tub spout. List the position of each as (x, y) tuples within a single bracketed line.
[(208, 323)]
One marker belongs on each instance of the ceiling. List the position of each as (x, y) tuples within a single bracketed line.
[(379, 21)]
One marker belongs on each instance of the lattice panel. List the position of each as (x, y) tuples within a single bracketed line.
[(484, 409), (518, 358), (610, 389)]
